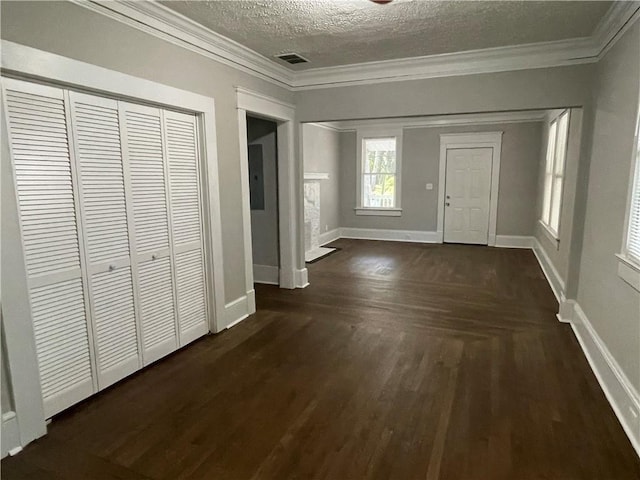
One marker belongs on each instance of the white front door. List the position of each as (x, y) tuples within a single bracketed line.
[(467, 195)]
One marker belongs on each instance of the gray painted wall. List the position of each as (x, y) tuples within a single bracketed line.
[(75, 32), (612, 306), (264, 223), (321, 154), (420, 165)]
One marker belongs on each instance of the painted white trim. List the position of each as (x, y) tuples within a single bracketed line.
[(491, 140), (311, 176), (442, 120), (412, 236), (266, 274), (288, 183), (514, 241), (333, 126), (10, 434), (330, 236), (620, 393), (548, 233), (159, 21), (301, 278), (363, 134), (553, 277), (379, 212), (629, 271), (566, 310), (236, 311)]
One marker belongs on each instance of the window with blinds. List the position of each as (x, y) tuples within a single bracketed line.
[(632, 244), (111, 222), (554, 172)]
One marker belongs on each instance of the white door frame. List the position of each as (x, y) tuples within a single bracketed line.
[(250, 102), (32, 64), (491, 140)]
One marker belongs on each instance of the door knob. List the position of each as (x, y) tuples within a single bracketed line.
[(448, 197), (447, 204)]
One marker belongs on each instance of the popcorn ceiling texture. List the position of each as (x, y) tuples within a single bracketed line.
[(338, 32)]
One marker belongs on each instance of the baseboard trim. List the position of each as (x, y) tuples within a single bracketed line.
[(553, 277), (330, 236), (267, 274), (238, 310), (301, 278), (513, 241), (10, 435), (414, 236), (620, 393)]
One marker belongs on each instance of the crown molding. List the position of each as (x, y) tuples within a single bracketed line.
[(442, 120), (620, 16), (162, 22)]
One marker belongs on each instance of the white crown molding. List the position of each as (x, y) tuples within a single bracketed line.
[(162, 22), (620, 16), (520, 57), (442, 120)]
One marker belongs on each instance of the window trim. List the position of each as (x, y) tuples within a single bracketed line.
[(629, 265), (551, 232), (378, 132)]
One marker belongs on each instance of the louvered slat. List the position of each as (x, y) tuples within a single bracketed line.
[(633, 241), (157, 308), (114, 318), (146, 163), (98, 152), (190, 287), (182, 155)]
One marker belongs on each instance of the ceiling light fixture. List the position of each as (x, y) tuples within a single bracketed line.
[(381, 2)]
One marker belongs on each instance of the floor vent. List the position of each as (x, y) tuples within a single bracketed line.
[(292, 58)]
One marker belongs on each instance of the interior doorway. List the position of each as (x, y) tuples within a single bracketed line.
[(467, 195), (262, 154)]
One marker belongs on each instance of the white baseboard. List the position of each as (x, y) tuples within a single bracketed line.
[(301, 278), (10, 434), (622, 396), (513, 241), (238, 310), (266, 274), (415, 236), (330, 236), (553, 277)]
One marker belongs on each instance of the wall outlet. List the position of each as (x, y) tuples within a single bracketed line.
[(429, 186)]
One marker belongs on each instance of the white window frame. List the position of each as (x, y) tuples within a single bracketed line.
[(380, 132), (550, 175), (628, 264)]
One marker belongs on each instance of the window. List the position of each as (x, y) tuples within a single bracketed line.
[(554, 173), (379, 172)]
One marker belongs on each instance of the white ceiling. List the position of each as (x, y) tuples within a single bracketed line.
[(340, 32)]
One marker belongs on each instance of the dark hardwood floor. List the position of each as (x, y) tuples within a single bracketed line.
[(401, 361)]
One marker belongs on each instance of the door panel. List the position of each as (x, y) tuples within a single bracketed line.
[(467, 195)]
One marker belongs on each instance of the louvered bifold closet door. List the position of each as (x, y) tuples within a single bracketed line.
[(105, 216), (144, 154), (47, 201), (181, 144)]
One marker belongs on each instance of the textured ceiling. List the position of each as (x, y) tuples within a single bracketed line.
[(338, 32)]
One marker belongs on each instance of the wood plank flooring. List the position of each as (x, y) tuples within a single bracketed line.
[(400, 361)]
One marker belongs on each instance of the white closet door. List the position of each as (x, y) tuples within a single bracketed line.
[(144, 155), (105, 218), (44, 176), (181, 141)]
